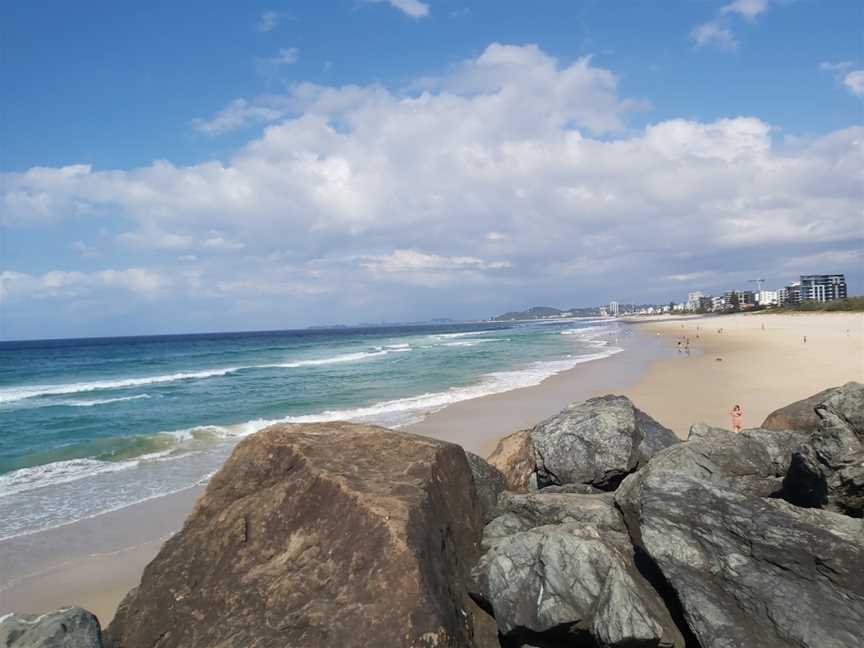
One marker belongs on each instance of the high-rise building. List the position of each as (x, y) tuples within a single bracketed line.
[(790, 295), (822, 288), (767, 297), (693, 300), (613, 309)]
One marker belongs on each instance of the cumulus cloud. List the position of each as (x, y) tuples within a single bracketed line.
[(511, 177), (412, 8)]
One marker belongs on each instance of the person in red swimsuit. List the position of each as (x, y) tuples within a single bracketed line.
[(736, 413)]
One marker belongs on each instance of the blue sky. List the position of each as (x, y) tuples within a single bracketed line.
[(211, 166)]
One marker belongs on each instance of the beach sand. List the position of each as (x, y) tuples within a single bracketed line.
[(762, 369), (94, 562)]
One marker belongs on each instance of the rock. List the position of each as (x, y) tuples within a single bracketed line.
[(330, 534), (520, 512), (570, 583), (70, 627), (488, 481), (514, 457), (753, 461), (828, 470), (800, 415), (581, 489), (746, 570), (598, 442)]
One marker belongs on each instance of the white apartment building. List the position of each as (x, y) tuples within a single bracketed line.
[(613, 309), (767, 298)]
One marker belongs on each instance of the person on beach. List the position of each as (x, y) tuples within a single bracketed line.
[(736, 413)]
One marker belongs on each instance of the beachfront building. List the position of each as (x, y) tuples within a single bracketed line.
[(718, 304), (767, 297), (693, 300), (822, 288), (613, 309), (790, 295)]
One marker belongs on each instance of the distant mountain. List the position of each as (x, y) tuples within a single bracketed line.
[(545, 312)]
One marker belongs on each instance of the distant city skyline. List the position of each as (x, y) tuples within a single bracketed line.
[(217, 166)]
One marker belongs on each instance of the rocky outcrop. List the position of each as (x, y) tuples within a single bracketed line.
[(514, 457), (70, 627), (753, 461), (488, 482), (828, 470), (799, 416), (319, 535), (573, 581), (598, 442), (749, 571)]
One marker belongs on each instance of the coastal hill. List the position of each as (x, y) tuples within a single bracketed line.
[(597, 527), (545, 312)]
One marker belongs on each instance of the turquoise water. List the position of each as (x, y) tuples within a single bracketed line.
[(88, 426)]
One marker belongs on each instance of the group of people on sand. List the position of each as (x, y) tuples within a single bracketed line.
[(684, 344)]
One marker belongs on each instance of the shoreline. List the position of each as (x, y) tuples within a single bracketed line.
[(97, 574), (103, 557)]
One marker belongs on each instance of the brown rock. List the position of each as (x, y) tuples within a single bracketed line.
[(514, 457), (319, 535), (799, 416)]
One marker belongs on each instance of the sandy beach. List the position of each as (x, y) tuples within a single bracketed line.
[(759, 361)]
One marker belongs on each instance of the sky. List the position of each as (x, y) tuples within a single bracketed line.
[(211, 166)]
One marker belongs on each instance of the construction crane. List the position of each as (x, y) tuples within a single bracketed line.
[(758, 283)]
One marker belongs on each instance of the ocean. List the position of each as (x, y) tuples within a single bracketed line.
[(94, 425)]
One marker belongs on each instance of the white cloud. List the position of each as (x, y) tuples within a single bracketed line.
[(748, 9), (59, 284), (714, 33), (269, 20), (718, 32), (513, 170), (412, 8), (854, 82), (238, 114)]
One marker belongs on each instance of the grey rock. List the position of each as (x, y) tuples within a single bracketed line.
[(520, 512), (799, 416), (71, 627), (753, 461), (750, 571), (571, 583), (598, 442), (488, 482), (828, 470), (581, 489)]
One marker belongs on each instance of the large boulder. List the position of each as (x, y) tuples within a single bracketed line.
[(753, 461), (560, 567), (71, 627), (828, 470), (747, 570), (799, 416), (489, 482), (598, 442), (520, 512), (319, 535), (514, 457), (571, 584)]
